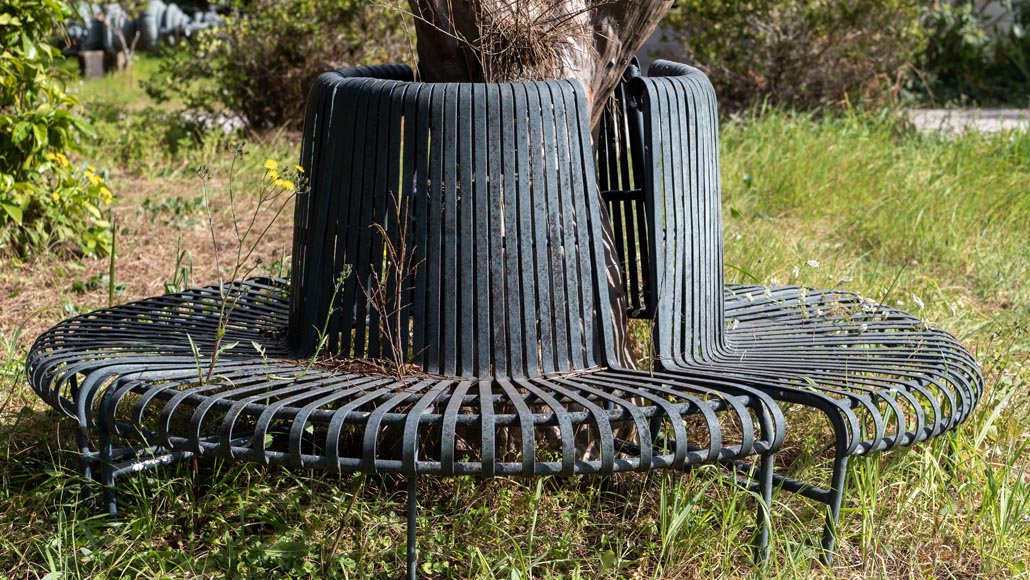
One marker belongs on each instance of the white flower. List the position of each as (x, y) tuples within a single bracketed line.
[(918, 301), (795, 272), (812, 263)]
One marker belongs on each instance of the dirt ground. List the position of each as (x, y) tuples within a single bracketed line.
[(41, 290)]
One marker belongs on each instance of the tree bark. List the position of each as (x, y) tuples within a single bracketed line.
[(590, 41)]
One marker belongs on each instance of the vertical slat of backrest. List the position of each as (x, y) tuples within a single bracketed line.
[(465, 326), (409, 160), (419, 244), (510, 230), (437, 190), (495, 212), (481, 237), (449, 314), (550, 238), (538, 102), (564, 276), (530, 279)]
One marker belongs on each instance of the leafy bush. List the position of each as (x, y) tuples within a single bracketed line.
[(44, 199), (261, 65), (798, 53), (970, 57)]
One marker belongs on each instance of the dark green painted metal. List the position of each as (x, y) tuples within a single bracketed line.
[(882, 377), (507, 316)]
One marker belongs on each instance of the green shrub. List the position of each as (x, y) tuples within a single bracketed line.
[(798, 53), (261, 65), (968, 58), (44, 199)]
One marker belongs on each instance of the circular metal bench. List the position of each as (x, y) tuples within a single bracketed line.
[(454, 229)]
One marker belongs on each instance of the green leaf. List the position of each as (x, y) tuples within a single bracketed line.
[(93, 211), (39, 133), (13, 211), (287, 550), (21, 132)]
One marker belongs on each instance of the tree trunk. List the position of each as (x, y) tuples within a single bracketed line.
[(591, 41)]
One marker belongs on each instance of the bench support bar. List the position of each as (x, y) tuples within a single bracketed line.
[(412, 530)]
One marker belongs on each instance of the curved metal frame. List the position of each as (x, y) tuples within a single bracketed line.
[(880, 376), (507, 316)]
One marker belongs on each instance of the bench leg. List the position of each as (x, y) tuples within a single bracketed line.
[(762, 518), (85, 459), (836, 494), (412, 539), (107, 473)]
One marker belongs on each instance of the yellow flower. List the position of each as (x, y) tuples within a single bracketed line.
[(272, 174), (55, 196), (91, 169), (105, 195), (285, 184), (271, 164), (93, 178), (299, 169)]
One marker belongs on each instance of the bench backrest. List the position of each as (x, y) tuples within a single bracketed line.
[(681, 129), (659, 163), (491, 191)]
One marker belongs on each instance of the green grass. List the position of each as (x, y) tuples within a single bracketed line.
[(936, 226), (122, 90)]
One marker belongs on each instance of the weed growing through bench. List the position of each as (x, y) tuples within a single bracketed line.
[(278, 188)]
